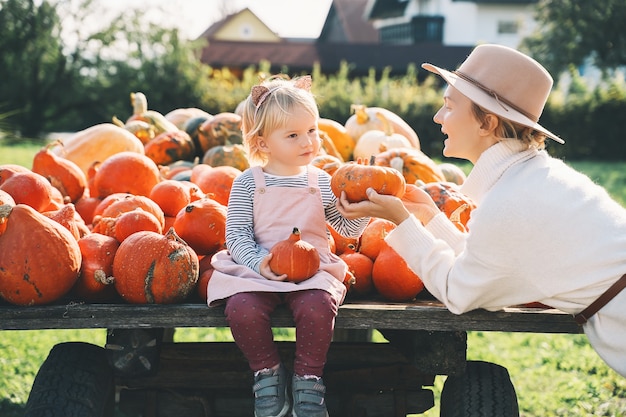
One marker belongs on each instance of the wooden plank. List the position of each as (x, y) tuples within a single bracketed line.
[(366, 314)]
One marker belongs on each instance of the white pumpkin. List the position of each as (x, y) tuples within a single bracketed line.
[(376, 141)]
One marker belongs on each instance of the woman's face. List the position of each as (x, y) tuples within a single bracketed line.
[(466, 138), (293, 145)]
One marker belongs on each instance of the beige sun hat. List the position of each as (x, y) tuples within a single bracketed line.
[(505, 82)]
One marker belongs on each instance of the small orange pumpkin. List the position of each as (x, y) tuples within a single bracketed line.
[(360, 266), (218, 130), (135, 221), (392, 277), (356, 177), (328, 163), (151, 268), (449, 198), (296, 258), (216, 182), (126, 172), (29, 188), (202, 224), (344, 143), (96, 272), (414, 164), (62, 173), (171, 196), (169, 147), (373, 237), (67, 217), (39, 259)]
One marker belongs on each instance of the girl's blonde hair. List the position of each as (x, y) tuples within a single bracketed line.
[(262, 115), (508, 129)]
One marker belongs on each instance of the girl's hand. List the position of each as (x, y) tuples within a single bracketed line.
[(266, 271)]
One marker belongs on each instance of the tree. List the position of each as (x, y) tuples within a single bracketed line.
[(71, 75), (574, 31)]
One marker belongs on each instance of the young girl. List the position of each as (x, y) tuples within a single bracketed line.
[(266, 202), (541, 231)]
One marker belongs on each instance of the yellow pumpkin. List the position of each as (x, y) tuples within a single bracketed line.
[(412, 163), (97, 143)]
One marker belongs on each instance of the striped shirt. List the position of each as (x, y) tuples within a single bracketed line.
[(240, 239)]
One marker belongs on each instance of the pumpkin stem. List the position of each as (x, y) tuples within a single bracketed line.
[(102, 278), (172, 235), (295, 234), (455, 216), (118, 122), (139, 102), (5, 210), (372, 160), (361, 114), (386, 125)]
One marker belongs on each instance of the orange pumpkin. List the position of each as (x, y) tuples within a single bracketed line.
[(126, 172), (360, 266), (7, 170), (356, 177), (202, 224), (135, 221), (5, 198), (294, 257), (392, 277), (203, 283), (216, 182), (171, 196), (39, 249), (373, 237), (169, 147), (67, 217), (151, 268), (96, 272), (62, 173), (328, 163), (449, 198), (85, 207), (341, 242), (29, 188), (231, 155), (219, 130), (412, 163), (131, 202)]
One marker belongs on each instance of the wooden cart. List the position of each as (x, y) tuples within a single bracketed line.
[(142, 372)]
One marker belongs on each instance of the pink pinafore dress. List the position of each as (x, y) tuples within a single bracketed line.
[(277, 210)]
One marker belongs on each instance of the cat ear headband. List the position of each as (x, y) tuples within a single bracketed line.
[(260, 93)]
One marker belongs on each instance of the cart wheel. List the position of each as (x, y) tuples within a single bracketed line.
[(484, 390), (75, 380)]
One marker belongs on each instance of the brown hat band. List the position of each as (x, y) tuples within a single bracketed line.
[(495, 95)]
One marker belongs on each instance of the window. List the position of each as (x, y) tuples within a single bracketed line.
[(508, 27)]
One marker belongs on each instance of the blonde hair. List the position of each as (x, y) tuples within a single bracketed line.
[(272, 111), (511, 130)]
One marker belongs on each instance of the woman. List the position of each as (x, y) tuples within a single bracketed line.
[(541, 231)]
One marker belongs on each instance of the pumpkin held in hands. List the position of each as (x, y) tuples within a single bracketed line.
[(356, 177), (296, 258)]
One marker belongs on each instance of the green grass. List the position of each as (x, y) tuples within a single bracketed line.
[(554, 375)]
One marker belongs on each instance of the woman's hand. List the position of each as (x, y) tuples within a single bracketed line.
[(415, 201), (420, 203), (378, 205), (266, 271)]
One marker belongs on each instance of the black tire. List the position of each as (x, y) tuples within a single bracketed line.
[(484, 390), (74, 381)]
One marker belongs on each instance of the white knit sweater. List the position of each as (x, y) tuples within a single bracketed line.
[(541, 232)]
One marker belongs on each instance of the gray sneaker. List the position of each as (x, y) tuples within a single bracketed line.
[(270, 393), (308, 397)]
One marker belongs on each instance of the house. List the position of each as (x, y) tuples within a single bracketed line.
[(371, 34), (452, 22)]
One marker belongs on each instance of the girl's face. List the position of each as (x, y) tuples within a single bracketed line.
[(467, 137), (292, 146)]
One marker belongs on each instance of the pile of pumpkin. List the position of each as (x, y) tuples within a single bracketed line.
[(133, 211)]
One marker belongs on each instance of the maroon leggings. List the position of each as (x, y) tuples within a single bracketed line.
[(314, 311)]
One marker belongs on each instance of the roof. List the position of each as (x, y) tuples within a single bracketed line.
[(346, 22), (301, 56)]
